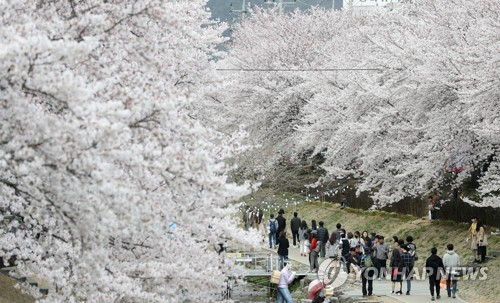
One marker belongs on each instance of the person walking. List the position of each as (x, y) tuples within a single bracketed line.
[(283, 246), (272, 229), (295, 224), (367, 273), (396, 266), (434, 265), (451, 262), (482, 242), (303, 237), (381, 251), (287, 276), (313, 254), (473, 238), (281, 222), (323, 237)]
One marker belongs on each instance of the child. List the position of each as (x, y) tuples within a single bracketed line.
[(304, 249)]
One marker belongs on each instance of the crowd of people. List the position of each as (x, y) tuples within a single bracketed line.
[(369, 251)]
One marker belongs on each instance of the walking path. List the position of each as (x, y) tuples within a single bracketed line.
[(419, 289)]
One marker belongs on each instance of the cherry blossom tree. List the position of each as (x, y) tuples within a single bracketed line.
[(99, 153), (266, 81), (417, 99)]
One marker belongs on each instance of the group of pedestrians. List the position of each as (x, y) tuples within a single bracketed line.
[(252, 216), (375, 258)]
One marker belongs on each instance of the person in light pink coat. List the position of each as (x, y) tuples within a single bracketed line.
[(287, 277)]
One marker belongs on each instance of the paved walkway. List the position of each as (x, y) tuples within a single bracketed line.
[(419, 292), (419, 289)]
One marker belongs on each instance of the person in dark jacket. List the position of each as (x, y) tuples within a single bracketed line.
[(396, 265), (345, 243), (367, 240), (434, 265), (281, 221), (295, 226), (352, 258), (407, 267), (323, 237), (283, 245)]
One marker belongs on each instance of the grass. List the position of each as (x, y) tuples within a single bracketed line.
[(10, 294), (427, 235)]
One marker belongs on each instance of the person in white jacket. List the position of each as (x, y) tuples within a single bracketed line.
[(451, 262), (333, 246), (287, 277)]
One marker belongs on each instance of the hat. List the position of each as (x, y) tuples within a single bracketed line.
[(314, 232), (281, 211)]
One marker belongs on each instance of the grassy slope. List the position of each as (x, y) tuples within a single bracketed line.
[(426, 235), (9, 294)]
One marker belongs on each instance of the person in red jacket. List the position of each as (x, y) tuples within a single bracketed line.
[(313, 254)]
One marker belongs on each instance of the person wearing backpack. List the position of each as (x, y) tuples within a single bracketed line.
[(367, 272), (412, 251), (272, 230), (407, 267)]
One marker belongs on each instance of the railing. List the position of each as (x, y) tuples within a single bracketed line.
[(260, 263)]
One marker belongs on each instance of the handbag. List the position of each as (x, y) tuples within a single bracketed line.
[(442, 282), (394, 271), (275, 277), (318, 247)]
